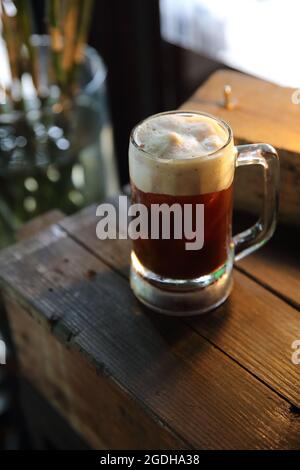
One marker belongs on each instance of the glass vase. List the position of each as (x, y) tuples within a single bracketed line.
[(55, 154)]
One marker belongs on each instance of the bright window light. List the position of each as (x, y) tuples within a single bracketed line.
[(261, 37)]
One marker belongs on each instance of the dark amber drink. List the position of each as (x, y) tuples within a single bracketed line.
[(169, 257)]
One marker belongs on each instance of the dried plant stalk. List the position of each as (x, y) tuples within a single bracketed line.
[(71, 21), (26, 24), (54, 13), (84, 12), (68, 24), (10, 31), (13, 47), (81, 39), (5, 102)]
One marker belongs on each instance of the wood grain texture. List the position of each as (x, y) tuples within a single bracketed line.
[(40, 223), (239, 327), (127, 378), (264, 113), (201, 397), (277, 265), (100, 410), (264, 110)]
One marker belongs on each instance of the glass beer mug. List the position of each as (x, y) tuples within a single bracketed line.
[(181, 160)]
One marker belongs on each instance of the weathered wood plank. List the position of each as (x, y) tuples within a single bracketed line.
[(264, 113), (40, 223), (195, 392), (221, 381), (254, 327), (277, 265), (97, 408)]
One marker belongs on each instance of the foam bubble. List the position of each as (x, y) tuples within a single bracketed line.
[(181, 154)]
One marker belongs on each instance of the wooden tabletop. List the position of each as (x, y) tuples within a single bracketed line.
[(128, 378), (124, 377)]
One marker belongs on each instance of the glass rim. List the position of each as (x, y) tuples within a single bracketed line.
[(97, 67), (94, 63), (220, 121)]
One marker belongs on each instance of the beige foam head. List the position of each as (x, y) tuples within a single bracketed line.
[(181, 153)]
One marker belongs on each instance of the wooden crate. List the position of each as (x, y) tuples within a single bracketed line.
[(264, 113), (124, 377)]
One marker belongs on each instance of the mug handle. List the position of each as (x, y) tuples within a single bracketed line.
[(253, 238)]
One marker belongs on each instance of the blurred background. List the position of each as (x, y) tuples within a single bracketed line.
[(64, 129)]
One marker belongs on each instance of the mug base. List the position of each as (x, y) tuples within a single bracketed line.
[(180, 297)]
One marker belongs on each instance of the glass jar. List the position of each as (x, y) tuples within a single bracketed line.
[(54, 155)]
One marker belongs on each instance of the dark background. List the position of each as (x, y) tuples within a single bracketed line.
[(146, 75)]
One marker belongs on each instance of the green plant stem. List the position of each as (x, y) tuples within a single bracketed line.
[(5, 101), (86, 7), (85, 12), (11, 39), (54, 9), (13, 45), (70, 27), (26, 24)]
